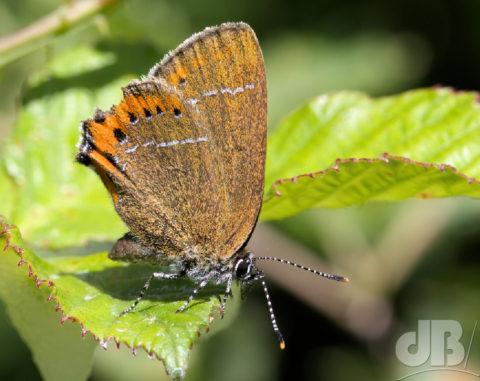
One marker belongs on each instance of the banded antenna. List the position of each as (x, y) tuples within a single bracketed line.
[(261, 276)]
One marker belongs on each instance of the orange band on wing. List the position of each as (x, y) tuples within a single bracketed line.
[(136, 102), (112, 189), (101, 162), (199, 61), (178, 76), (103, 135), (105, 169), (133, 107)]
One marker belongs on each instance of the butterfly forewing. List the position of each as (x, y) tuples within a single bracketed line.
[(221, 72)]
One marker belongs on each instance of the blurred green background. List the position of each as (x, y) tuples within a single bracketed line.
[(408, 261)]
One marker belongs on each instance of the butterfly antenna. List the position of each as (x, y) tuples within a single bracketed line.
[(325, 275), (272, 314)]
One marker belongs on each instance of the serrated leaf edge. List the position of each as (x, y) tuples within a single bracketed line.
[(8, 235), (385, 158)]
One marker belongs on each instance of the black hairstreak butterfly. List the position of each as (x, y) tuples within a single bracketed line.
[(183, 156)]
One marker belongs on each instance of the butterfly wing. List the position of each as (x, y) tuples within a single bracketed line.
[(221, 72), (183, 154)]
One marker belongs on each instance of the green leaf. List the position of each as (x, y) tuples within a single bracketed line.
[(36, 320), (94, 290), (356, 181), (420, 128), (67, 64), (376, 62)]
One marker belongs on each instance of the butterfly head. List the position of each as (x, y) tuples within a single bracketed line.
[(245, 268)]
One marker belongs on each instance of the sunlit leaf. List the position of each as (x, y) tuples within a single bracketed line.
[(432, 130), (93, 290)]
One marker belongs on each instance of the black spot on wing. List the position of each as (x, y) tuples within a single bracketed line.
[(119, 135), (133, 118), (83, 158)]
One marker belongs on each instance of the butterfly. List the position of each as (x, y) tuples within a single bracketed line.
[(183, 157)]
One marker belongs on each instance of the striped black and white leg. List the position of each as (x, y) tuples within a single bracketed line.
[(272, 314), (146, 286), (228, 293), (202, 284), (338, 278)]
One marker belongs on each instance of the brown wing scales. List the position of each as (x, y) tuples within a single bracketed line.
[(183, 154), (221, 72)]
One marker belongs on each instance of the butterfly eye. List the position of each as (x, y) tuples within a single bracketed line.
[(242, 268), (177, 113), (148, 114), (133, 118), (159, 110), (182, 81)]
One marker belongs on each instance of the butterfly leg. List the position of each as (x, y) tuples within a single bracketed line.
[(146, 287), (228, 292), (202, 284)]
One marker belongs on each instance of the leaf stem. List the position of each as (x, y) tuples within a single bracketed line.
[(38, 34)]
